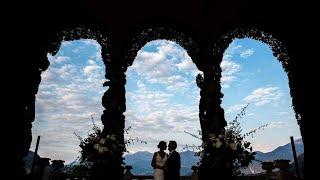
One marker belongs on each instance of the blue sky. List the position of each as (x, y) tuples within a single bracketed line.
[(162, 96)]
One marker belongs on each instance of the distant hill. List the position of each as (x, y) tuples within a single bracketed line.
[(141, 162), (281, 152)]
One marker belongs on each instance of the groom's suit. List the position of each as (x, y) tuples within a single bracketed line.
[(173, 166)]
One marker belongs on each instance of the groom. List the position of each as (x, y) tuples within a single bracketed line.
[(173, 162)]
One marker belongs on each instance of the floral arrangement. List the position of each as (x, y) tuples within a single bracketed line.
[(228, 146), (97, 145)]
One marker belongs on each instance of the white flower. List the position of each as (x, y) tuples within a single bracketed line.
[(113, 137), (100, 150), (233, 146), (96, 146), (212, 136), (102, 141), (221, 136), (201, 154), (217, 144), (104, 149)]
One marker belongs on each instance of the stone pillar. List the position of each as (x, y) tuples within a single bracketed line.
[(211, 115), (23, 138), (113, 100)]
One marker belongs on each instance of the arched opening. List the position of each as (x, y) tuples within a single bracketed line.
[(162, 102), (69, 94), (252, 75)]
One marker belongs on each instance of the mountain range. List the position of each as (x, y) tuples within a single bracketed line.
[(281, 152), (141, 161)]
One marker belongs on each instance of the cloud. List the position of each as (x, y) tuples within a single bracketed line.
[(277, 125), (168, 65), (91, 42), (57, 59), (89, 69), (229, 70), (247, 53), (231, 50), (151, 65), (165, 80), (262, 96), (69, 93), (66, 43), (229, 67), (235, 108), (164, 61), (186, 63)]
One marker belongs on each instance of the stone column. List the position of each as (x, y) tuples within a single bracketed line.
[(113, 100), (23, 137), (211, 115)]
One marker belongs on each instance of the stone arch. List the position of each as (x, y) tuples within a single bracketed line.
[(185, 75), (150, 33), (52, 45), (279, 50)]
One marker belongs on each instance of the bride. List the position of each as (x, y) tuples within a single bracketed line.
[(158, 161)]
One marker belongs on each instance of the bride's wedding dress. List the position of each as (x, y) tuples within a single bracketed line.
[(158, 174)]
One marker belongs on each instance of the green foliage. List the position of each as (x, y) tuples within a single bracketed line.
[(229, 146), (96, 146)]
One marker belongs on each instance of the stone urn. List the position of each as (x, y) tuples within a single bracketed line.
[(268, 166), (282, 164)]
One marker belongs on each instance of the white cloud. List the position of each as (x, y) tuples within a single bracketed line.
[(165, 61), (279, 124), (247, 53), (235, 108), (164, 65), (229, 70), (187, 63), (90, 69), (67, 96), (93, 71), (91, 62), (231, 50), (158, 114), (66, 71), (262, 96), (229, 67), (57, 59), (151, 65), (178, 86), (91, 42)]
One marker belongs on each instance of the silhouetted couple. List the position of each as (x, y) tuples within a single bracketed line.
[(166, 166)]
